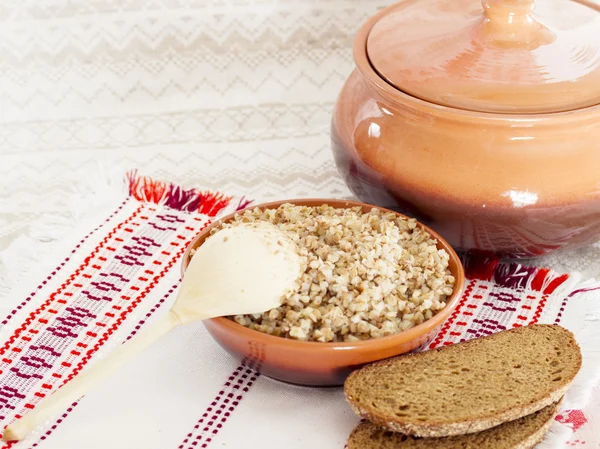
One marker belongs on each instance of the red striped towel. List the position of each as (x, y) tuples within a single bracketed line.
[(119, 271)]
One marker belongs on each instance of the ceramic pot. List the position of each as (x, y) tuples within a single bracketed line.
[(481, 120)]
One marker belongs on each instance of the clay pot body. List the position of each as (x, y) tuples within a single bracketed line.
[(517, 185)]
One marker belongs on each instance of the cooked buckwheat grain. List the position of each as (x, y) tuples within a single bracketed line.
[(368, 274)]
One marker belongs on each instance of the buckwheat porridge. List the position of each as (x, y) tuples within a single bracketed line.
[(368, 274)]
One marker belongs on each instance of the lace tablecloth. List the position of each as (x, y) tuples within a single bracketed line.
[(234, 96)]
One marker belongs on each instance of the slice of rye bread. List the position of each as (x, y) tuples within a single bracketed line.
[(467, 387), (523, 433)]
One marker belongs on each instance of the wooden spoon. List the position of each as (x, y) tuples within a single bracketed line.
[(240, 270)]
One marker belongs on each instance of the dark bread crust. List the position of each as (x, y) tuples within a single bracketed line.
[(523, 433), (363, 387)]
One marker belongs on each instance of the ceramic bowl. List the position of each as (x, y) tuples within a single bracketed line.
[(313, 363)]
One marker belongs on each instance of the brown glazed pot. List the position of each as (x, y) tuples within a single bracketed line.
[(482, 122), (313, 363)]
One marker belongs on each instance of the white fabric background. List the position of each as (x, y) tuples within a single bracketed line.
[(229, 95)]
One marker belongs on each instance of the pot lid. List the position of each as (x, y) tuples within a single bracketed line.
[(502, 56)]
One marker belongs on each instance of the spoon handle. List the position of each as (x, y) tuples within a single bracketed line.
[(84, 381)]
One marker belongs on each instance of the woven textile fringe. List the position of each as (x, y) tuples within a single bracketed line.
[(513, 275), (150, 190)]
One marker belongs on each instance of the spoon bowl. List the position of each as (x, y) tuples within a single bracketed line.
[(241, 270)]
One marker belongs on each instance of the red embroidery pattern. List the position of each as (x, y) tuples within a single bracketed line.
[(486, 309), (226, 401), (69, 283), (51, 429), (57, 339), (60, 266), (133, 332), (446, 328), (498, 297), (573, 418)]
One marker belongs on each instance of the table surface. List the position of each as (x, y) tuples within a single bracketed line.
[(233, 96)]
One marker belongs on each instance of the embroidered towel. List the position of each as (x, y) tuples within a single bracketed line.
[(120, 271)]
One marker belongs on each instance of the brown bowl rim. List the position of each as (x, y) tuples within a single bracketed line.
[(390, 340)]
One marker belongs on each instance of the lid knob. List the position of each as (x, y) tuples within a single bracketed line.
[(514, 8), (510, 23)]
